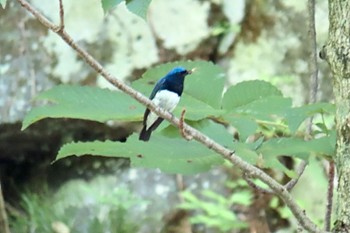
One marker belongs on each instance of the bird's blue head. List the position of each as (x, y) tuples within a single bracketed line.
[(179, 72)]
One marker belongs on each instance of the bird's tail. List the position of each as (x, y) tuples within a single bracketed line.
[(145, 134)]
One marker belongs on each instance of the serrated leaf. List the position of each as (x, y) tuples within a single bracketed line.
[(138, 7), (246, 92), (108, 5), (160, 152), (295, 116), (82, 102)]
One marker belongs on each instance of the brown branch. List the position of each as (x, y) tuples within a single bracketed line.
[(329, 206), (61, 27), (251, 170), (4, 226), (181, 126)]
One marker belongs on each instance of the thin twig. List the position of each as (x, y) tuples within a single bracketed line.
[(61, 26), (227, 154), (329, 206), (313, 67), (256, 187), (181, 126), (300, 170), (4, 226)]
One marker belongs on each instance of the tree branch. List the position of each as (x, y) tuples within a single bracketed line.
[(328, 215), (249, 169), (61, 26)]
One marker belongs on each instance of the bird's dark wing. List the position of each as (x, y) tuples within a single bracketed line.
[(146, 134), (159, 86)]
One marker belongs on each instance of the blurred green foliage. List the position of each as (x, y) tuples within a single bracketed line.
[(215, 210), (104, 212)]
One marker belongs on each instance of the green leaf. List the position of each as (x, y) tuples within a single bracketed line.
[(266, 154), (205, 84), (275, 147), (214, 130), (268, 108), (82, 102), (245, 125), (323, 128), (295, 116), (187, 158), (195, 108), (108, 5), (138, 7), (246, 92), (246, 151)]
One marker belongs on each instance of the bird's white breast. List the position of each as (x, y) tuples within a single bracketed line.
[(164, 99)]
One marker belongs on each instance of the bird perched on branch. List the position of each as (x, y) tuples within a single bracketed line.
[(166, 94)]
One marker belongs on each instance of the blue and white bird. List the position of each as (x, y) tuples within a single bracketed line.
[(166, 94)]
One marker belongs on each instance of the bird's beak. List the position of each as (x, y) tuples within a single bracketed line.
[(192, 70)]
